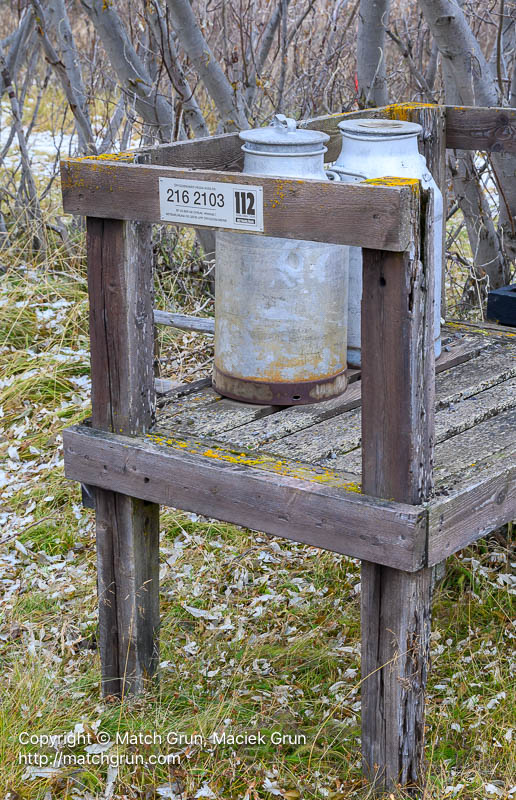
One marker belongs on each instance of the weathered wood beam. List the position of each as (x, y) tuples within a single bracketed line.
[(323, 211), (198, 478), (492, 129), (473, 510), (184, 322), (468, 128), (397, 445), (122, 341), (222, 152)]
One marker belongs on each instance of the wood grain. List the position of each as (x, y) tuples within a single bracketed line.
[(492, 129), (184, 322), (473, 510), (466, 396), (295, 419), (221, 152), (398, 391), (395, 658), (464, 458), (397, 453), (321, 211), (122, 341), (301, 510)]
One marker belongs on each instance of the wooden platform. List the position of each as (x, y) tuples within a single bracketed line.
[(296, 472)]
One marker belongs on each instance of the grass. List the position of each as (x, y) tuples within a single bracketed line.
[(258, 634)]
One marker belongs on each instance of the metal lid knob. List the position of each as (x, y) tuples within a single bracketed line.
[(283, 135), (287, 123)]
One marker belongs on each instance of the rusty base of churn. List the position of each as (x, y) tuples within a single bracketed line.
[(279, 394)]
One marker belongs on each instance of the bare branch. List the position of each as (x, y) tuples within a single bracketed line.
[(420, 78), (190, 107), (206, 65), (371, 69), (34, 205), (77, 107), (16, 43), (130, 70)]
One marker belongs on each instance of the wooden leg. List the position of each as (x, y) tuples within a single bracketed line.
[(396, 614), (122, 343), (128, 587)]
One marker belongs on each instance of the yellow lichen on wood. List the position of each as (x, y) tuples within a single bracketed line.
[(291, 469), (393, 182), (124, 155), (402, 110), (483, 331)]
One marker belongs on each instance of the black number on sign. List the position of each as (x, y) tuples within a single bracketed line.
[(173, 196), (244, 203)]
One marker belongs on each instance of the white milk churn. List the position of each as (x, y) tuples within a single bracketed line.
[(281, 305), (376, 148)]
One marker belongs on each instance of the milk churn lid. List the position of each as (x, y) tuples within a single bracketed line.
[(379, 127), (284, 132)]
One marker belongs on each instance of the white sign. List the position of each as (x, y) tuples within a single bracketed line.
[(219, 205)]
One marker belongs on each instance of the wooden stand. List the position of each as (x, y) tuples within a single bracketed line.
[(399, 525)]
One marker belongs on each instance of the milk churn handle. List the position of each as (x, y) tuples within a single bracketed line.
[(281, 121)]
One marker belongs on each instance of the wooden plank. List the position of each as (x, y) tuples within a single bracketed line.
[(222, 152), (457, 349), (466, 396), (473, 510), (322, 211), (469, 412), (188, 477), (491, 367), (217, 415), (179, 391), (398, 387), (398, 391), (291, 420), (122, 342), (184, 322), (483, 328), (396, 615), (464, 457), (284, 425), (254, 426), (492, 129), (459, 453)]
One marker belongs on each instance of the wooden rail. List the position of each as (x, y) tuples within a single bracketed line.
[(467, 128), (322, 516), (184, 322), (366, 214)]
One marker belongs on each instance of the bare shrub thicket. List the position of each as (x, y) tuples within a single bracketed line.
[(134, 72)]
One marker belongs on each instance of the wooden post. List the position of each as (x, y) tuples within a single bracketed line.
[(397, 445), (432, 144), (121, 330)]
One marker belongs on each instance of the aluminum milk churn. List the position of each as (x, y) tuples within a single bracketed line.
[(280, 304), (376, 148)]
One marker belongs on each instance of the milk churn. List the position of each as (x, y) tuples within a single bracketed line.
[(375, 148), (280, 304)]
